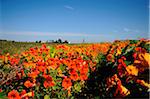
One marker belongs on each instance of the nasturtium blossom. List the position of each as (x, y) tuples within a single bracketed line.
[(140, 50), (14, 61), (132, 70), (143, 83), (83, 76), (122, 91), (110, 57), (118, 52), (45, 71), (28, 84), (13, 95), (27, 95), (33, 74), (66, 83), (74, 76), (48, 81), (1, 90), (22, 94)]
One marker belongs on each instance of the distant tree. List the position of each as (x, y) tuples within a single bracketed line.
[(56, 41), (36, 42), (53, 41), (2, 40), (59, 41), (40, 41), (65, 41)]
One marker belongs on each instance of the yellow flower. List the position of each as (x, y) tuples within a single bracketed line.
[(147, 58), (124, 91), (118, 52), (59, 71), (143, 83), (132, 70), (143, 61)]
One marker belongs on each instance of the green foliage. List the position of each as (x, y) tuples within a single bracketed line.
[(94, 87), (3, 95)]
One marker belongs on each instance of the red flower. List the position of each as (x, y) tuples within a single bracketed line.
[(121, 69), (13, 95), (43, 46), (134, 55), (14, 61), (40, 63), (22, 94), (1, 90), (141, 50), (120, 60), (48, 82), (67, 83), (123, 57)]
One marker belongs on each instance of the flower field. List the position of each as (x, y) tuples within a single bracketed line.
[(102, 70)]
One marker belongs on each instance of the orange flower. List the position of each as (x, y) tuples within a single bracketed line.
[(48, 82), (67, 83), (33, 74), (83, 68), (13, 95), (28, 84), (72, 65), (74, 76), (83, 76), (41, 68), (110, 57), (29, 64)]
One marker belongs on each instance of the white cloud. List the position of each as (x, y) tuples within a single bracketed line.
[(52, 34), (137, 31), (68, 7), (73, 37), (131, 30), (126, 30)]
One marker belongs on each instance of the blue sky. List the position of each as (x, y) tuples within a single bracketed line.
[(74, 20)]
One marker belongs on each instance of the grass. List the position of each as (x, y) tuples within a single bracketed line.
[(16, 47), (13, 47)]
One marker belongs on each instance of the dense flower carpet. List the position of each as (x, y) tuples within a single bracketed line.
[(103, 70)]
